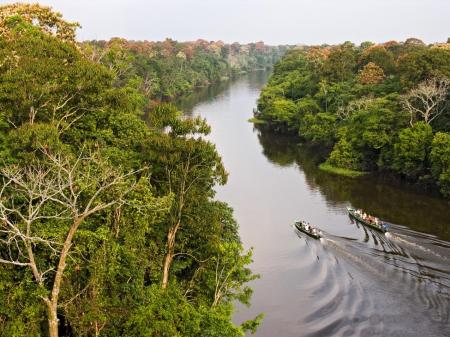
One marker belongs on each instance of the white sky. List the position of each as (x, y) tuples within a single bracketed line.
[(273, 21)]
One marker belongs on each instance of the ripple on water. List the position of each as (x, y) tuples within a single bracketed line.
[(369, 284)]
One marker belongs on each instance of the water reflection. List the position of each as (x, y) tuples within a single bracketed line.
[(187, 103), (353, 282), (385, 196), (412, 261)]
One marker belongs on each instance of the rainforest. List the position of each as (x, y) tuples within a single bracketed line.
[(108, 222), (376, 107), (187, 186)]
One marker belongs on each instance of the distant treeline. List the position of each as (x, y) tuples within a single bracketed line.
[(163, 70), (377, 107)]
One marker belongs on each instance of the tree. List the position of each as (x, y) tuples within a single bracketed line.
[(42, 17), (371, 74), (412, 41), (341, 63), (380, 56), (192, 173), (411, 150), (44, 79), (427, 100), (85, 242), (440, 161), (43, 205), (420, 64), (281, 112), (186, 168), (361, 104), (318, 128), (345, 156)]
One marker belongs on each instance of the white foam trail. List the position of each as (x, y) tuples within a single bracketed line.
[(413, 244), (354, 258)]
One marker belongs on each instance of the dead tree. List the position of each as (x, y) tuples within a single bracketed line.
[(427, 100), (61, 193)]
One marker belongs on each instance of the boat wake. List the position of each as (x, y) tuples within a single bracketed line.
[(335, 291), (391, 263), (403, 239)]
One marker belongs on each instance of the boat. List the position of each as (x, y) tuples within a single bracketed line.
[(369, 221), (304, 227)]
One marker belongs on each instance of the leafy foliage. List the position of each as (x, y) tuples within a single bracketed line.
[(94, 201), (162, 70), (375, 106)]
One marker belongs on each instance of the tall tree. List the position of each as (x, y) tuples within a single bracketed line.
[(61, 194), (189, 168), (427, 100)]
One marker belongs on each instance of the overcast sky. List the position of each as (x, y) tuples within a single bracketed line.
[(273, 21)]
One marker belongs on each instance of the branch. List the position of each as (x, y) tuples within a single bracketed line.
[(16, 263)]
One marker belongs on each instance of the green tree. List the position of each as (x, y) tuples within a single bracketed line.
[(358, 100), (440, 161), (108, 227), (380, 56), (43, 18), (411, 150), (281, 113), (318, 128), (341, 63), (48, 82), (345, 156)]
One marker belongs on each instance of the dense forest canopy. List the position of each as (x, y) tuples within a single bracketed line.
[(377, 107), (163, 70), (108, 224)]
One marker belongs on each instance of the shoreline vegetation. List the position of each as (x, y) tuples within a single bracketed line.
[(340, 171), (108, 222), (255, 120), (376, 107)]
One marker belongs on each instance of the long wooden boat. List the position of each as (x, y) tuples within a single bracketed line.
[(304, 227), (378, 224)]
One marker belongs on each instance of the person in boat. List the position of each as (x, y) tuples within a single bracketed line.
[(306, 227), (314, 231)]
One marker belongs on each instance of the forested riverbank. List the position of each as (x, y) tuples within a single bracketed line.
[(164, 70), (376, 107), (108, 223), (354, 282)]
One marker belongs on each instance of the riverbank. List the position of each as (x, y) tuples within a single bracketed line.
[(274, 180), (368, 109)]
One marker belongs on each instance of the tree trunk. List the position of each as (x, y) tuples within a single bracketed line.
[(169, 256), (32, 115), (52, 320), (167, 263), (53, 302)]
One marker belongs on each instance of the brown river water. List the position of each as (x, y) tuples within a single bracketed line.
[(352, 282)]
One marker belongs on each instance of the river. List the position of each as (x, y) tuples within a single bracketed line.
[(354, 281)]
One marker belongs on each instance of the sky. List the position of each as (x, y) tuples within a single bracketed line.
[(271, 21)]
